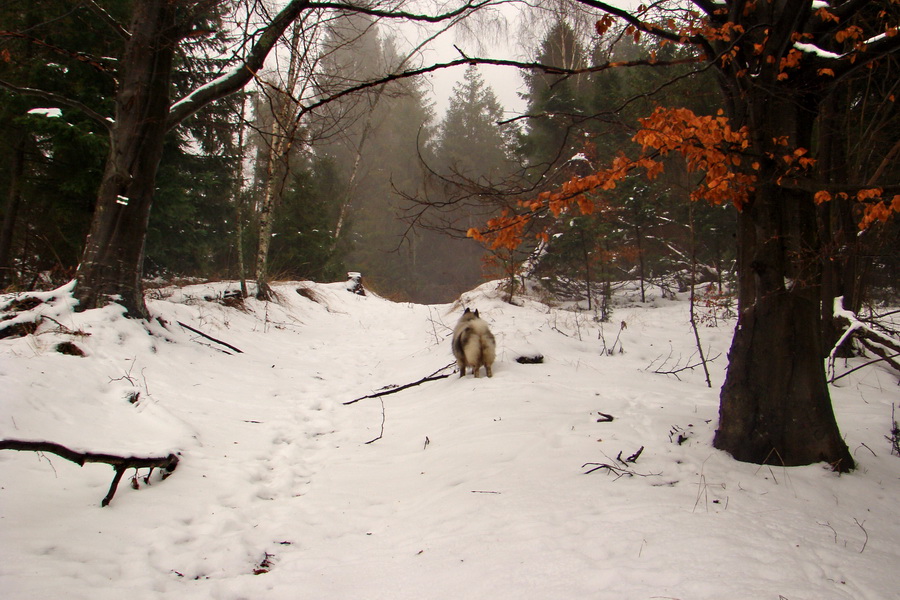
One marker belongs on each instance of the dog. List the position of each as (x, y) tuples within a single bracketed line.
[(473, 344)]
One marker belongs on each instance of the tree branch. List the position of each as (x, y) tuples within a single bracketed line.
[(57, 99), (650, 28), (532, 66), (241, 75), (210, 338), (119, 463), (384, 392), (79, 56), (399, 14), (108, 19)]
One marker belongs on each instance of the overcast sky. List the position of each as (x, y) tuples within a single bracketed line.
[(507, 82)]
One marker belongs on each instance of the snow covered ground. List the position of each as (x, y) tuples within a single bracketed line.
[(472, 488)]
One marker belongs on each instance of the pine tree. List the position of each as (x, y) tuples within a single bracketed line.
[(470, 142)]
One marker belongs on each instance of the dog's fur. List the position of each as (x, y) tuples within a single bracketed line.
[(473, 344)]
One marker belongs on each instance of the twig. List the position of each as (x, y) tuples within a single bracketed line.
[(869, 449), (631, 459), (604, 418), (858, 367), (63, 328), (210, 338), (622, 327), (433, 377), (380, 433), (119, 463), (894, 438), (676, 369), (619, 472), (860, 525), (828, 525)]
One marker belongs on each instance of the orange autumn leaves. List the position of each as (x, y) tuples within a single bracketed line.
[(875, 208), (708, 144)]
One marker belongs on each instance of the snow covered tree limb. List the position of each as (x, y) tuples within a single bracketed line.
[(118, 462), (875, 341), (241, 75)]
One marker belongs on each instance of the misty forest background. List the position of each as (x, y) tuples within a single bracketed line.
[(377, 181)]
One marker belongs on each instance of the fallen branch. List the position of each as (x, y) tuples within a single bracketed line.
[(862, 366), (119, 463), (678, 367), (619, 472), (877, 342), (210, 338), (393, 390)]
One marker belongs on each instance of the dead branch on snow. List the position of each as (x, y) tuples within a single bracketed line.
[(119, 463)]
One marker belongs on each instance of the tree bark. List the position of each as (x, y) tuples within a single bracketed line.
[(112, 262), (774, 405), (13, 199)]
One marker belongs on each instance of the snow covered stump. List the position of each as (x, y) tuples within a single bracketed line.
[(354, 283)]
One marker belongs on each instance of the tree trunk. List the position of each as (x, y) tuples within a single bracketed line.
[(13, 199), (774, 404), (112, 262), (285, 126)]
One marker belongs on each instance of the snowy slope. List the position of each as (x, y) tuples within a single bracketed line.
[(473, 488)]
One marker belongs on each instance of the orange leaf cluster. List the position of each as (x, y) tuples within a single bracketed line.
[(505, 231), (825, 15), (854, 32), (707, 143), (874, 208), (879, 211)]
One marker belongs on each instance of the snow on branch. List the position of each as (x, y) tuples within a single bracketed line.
[(118, 462), (881, 344)]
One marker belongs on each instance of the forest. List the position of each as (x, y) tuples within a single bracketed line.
[(237, 236), (743, 152), (375, 181)]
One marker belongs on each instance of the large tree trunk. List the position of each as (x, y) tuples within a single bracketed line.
[(774, 404), (112, 262)]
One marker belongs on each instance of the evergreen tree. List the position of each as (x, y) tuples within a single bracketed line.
[(372, 139), (50, 165), (558, 104), (470, 142), (472, 155)]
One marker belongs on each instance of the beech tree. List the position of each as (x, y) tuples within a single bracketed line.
[(776, 63)]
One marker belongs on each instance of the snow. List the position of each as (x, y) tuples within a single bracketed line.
[(190, 98), (813, 49), (472, 488), (50, 113)]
